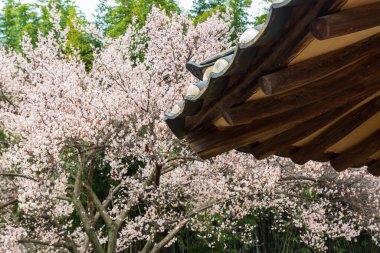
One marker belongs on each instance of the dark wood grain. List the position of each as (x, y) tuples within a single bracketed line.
[(318, 67), (359, 153), (271, 57), (299, 132), (210, 143), (347, 82), (346, 21), (374, 169), (337, 131)]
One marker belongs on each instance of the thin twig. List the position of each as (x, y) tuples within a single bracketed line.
[(298, 178), (17, 175), (10, 202)]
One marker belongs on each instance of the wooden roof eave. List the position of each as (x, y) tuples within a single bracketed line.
[(323, 122), (238, 62)]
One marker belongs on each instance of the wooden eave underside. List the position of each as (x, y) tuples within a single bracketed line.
[(311, 93)]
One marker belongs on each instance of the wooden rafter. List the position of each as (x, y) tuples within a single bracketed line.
[(374, 168), (210, 143), (319, 67), (359, 153), (346, 21), (342, 83), (337, 131), (299, 132)]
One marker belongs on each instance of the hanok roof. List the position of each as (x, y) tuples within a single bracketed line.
[(305, 85)]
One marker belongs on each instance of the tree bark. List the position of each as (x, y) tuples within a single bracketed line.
[(170, 236), (81, 210)]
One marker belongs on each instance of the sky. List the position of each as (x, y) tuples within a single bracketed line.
[(89, 6)]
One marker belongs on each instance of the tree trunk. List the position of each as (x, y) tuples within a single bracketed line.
[(263, 235)]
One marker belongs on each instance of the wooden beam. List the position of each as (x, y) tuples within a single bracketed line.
[(336, 131), (346, 21), (210, 143), (359, 153), (322, 157), (374, 169), (318, 67), (299, 132), (248, 149), (362, 75)]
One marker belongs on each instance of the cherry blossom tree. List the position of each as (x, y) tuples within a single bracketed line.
[(88, 165)]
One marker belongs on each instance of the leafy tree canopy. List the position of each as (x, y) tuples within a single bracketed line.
[(18, 19), (114, 19), (238, 9)]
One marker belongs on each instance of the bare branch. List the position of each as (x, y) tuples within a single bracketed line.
[(107, 201), (57, 244), (205, 206), (190, 158), (148, 245), (72, 247), (98, 205), (174, 232), (64, 198), (123, 214), (170, 236), (167, 170), (298, 178), (81, 210), (10, 202), (18, 175)]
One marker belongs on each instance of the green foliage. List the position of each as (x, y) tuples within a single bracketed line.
[(202, 6), (205, 15), (238, 9), (18, 19), (286, 241), (3, 141), (114, 19), (260, 19)]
